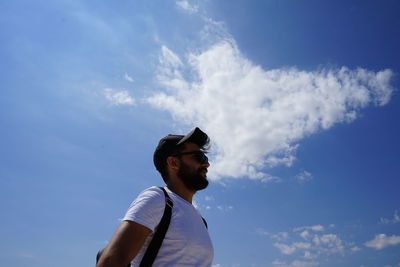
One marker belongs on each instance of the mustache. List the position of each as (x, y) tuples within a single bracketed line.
[(202, 169)]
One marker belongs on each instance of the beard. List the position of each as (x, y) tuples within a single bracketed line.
[(192, 179)]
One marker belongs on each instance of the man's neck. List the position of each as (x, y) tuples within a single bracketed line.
[(182, 191)]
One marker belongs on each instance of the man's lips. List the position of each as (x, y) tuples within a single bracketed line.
[(204, 171)]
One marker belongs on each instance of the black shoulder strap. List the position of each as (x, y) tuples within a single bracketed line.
[(205, 222), (155, 244)]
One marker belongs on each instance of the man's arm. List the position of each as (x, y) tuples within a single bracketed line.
[(124, 245)]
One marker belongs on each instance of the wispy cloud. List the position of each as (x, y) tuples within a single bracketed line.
[(395, 219), (316, 228), (381, 241), (304, 176), (116, 97), (209, 203), (169, 62), (290, 249), (256, 116), (195, 204), (128, 78), (396, 265), (315, 246), (308, 244), (280, 236), (26, 255), (209, 198), (186, 6), (295, 263), (355, 249)]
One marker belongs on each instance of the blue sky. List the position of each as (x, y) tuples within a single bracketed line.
[(300, 99)]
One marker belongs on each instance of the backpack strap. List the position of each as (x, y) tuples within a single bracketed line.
[(205, 222), (155, 244)]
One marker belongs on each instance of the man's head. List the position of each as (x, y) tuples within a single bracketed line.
[(186, 154)]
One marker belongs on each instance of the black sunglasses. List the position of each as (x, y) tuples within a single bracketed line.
[(198, 155)]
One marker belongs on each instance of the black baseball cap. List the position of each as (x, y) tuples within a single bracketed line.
[(168, 145)]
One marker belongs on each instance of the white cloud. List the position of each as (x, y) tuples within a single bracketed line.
[(308, 255), (261, 231), (304, 176), (118, 97), (270, 179), (285, 249), (209, 198), (224, 208), (280, 236), (302, 245), (221, 208), (185, 5), (201, 206), (327, 243), (381, 241), (305, 234), (331, 242), (295, 263), (355, 249), (395, 219), (256, 116), (169, 60), (309, 243), (290, 249), (315, 228), (195, 204), (396, 265), (128, 78), (26, 255)]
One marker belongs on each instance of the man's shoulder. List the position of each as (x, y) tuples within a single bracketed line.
[(153, 192), (147, 209)]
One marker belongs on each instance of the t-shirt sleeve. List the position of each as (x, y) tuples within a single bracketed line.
[(147, 209)]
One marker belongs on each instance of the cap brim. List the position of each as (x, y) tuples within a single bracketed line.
[(196, 136)]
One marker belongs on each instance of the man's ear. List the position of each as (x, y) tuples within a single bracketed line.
[(173, 163)]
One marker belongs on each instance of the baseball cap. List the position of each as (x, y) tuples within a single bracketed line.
[(169, 144)]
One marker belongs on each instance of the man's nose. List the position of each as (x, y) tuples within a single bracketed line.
[(206, 164)]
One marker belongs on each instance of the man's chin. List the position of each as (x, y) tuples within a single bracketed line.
[(203, 184), (197, 182)]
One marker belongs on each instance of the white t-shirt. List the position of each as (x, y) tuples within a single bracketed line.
[(186, 243)]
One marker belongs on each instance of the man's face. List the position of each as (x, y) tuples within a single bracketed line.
[(192, 173)]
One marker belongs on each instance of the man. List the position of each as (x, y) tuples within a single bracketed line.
[(183, 166)]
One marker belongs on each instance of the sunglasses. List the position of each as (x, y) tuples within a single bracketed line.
[(198, 155)]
